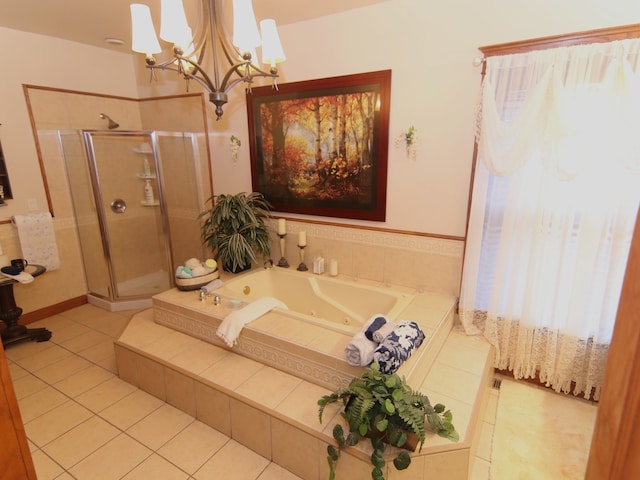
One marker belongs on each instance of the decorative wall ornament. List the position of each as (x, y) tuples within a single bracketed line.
[(234, 145), (409, 140)]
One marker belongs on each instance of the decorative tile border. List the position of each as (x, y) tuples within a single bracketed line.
[(260, 351), (416, 243)]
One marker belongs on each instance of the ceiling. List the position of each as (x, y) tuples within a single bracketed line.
[(91, 21)]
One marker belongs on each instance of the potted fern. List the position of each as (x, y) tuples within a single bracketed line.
[(383, 408), (235, 231)]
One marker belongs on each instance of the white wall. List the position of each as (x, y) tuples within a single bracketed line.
[(430, 48), (45, 61)]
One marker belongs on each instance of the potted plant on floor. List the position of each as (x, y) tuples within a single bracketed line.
[(234, 229), (385, 409)]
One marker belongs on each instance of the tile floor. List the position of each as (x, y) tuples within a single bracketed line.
[(83, 422)]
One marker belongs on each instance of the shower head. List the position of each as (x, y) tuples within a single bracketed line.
[(112, 124)]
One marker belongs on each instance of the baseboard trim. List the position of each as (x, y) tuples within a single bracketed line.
[(45, 312)]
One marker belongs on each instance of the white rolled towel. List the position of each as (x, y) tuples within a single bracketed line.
[(211, 286), (359, 350), (380, 334)]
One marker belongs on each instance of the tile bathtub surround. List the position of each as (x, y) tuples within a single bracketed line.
[(90, 424), (228, 396), (418, 262), (183, 457)]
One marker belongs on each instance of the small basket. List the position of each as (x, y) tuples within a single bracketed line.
[(196, 283)]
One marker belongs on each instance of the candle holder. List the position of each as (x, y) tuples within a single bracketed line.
[(283, 261), (302, 267)]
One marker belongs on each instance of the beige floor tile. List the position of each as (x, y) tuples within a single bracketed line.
[(65, 333), (193, 446), (98, 352), (109, 364), (131, 409), (198, 357), (156, 467), (105, 394), (43, 358), (46, 468), (232, 371), (55, 422), (22, 350), (301, 405), (453, 382), (492, 407), (84, 341), (276, 472), (268, 386), (160, 426), (27, 385), (81, 441), (486, 441), (83, 380), (236, 461), (36, 404), (111, 462), (480, 470), (62, 369), (16, 370)]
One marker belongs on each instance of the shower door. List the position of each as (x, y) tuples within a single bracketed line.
[(123, 228)]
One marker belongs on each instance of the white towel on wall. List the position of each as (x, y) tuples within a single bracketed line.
[(37, 239)]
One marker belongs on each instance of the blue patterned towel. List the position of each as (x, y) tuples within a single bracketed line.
[(398, 346)]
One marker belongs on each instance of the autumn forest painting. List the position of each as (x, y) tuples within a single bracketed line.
[(318, 152)]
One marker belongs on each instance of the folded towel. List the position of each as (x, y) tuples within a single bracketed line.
[(382, 333), (359, 350), (233, 323), (398, 346), (374, 324), (22, 277), (211, 286)]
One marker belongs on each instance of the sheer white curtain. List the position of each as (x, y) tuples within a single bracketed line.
[(555, 197)]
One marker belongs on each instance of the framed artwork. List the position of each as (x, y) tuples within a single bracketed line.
[(320, 147)]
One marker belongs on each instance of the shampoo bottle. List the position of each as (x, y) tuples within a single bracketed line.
[(148, 192), (147, 168)]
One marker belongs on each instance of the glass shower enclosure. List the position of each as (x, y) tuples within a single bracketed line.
[(136, 197)]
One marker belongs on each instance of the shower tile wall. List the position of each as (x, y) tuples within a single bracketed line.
[(54, 110), (185, 199)]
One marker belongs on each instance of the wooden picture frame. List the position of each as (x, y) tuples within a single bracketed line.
[(320, 147)]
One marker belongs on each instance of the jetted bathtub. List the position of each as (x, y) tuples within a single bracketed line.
[(341, 305)]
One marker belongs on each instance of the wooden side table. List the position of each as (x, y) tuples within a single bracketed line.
[(10, 312)]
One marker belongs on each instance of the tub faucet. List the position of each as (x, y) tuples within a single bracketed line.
[(269, 264), (203, 294)]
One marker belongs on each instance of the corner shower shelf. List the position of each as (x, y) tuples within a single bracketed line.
[(142, 176), (143, 151), (150, 204)]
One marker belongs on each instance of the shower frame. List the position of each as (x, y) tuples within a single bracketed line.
[(101, 208)]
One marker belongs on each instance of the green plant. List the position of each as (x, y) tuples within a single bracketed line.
[(234, 229), (388, 411)]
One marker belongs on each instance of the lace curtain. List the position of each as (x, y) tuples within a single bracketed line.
[(554, 203)]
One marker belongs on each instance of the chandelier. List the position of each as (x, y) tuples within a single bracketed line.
[(189, 47)]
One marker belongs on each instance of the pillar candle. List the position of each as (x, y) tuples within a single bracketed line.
[(282, 226), (333, 267), (302, 238)]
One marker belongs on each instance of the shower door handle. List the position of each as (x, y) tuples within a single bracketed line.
[(118, 205)]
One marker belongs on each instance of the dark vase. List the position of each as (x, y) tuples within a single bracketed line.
[(238, 269)]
